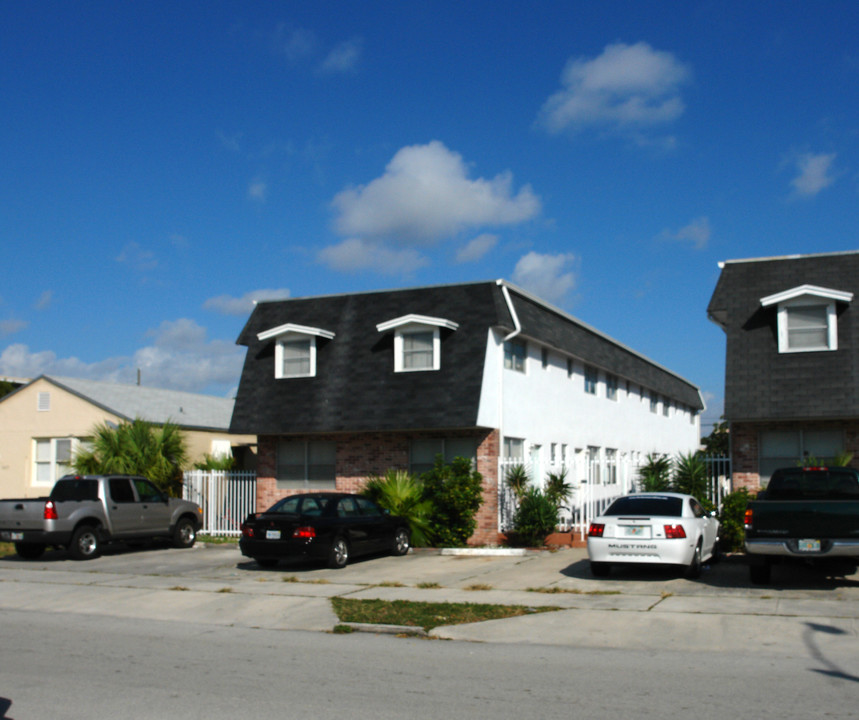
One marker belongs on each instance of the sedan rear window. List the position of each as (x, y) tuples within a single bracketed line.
[(647, 506)]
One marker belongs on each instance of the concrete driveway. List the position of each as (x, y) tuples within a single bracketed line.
[(631, 608)]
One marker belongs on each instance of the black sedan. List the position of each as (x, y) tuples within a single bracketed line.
[(325, 526)]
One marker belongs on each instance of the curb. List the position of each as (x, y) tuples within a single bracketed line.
[(385, 629)]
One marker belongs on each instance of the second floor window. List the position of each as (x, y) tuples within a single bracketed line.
[(611, 387), (515, 352), (296, 358), (591, 379), (418, 350)]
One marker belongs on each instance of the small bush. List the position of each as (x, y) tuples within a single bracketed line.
[(731, 520), (456, 493), (655, 474), (535, 518), (401, 493)]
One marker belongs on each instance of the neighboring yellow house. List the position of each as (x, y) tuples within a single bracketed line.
[(44, 422)]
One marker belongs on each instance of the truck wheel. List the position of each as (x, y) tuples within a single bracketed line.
[(85, 543), (760, 574), (29, 551), (185, 534), (339, 553)]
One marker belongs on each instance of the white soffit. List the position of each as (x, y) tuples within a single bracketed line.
[(417, 320), (292, 328), (806, 291)]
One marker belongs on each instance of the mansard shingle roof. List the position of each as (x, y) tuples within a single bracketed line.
[(355, 387), (760, 383)]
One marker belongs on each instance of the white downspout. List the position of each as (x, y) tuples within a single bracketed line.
[(517, 329)]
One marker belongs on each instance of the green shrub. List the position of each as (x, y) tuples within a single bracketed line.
[(517, 480), (731, 520), (655, 474), (219, 462), (401, 493), (535, 518), (557, 489), (456, 493), (690, 475)]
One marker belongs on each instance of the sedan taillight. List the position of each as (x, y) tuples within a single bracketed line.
[(304, 533), (675, 532), (596, 530), (247, 531)]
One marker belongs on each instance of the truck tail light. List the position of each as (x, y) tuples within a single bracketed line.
[(51, 511), (596, 530), (304, 533), (748, 518), (675, 532)]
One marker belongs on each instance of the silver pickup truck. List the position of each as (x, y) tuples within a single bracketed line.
[(82, 513)]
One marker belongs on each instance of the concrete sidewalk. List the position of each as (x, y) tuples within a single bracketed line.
[(634, 608)]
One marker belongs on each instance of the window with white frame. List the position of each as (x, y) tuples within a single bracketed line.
[(807, 318), (515, 352), (666, 406), (610, 466), (654, 402), (594, 466), (295, 349), (52, 459), (591, 379), (787, 448), (514, 449), (306, 464), (611, 386), (417, 341)]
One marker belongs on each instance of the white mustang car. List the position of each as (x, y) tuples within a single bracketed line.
[(665, 528)]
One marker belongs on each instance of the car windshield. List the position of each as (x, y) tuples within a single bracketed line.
[(663, 506), (832, 484)]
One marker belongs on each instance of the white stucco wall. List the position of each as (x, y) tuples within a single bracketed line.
[(548, 405)]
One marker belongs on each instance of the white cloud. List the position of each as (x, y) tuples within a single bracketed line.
[(229, 305), (343, 58), (258, 191), (180, 357), (45, 299), (550, 277), (425, 195), (138, 258), (354, 254), (697, 233), (11, 326), (815, 173), (476, 248), (294, 43), (627, 88)]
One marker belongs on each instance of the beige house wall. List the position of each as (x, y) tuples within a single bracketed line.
[(68, 416)]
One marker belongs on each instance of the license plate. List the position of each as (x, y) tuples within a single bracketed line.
[(13, 536), (808, 545), (636, 531), (272, 534)]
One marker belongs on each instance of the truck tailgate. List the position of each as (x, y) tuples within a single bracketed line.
[(26, 514), (805, 519)]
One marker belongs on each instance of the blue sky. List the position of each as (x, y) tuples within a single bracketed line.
[(163, 164)]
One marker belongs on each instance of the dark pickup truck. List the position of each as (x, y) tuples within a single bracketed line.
[(810, 513)]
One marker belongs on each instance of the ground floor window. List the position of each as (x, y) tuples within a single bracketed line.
[(787, 448), (306, 464), (594, 466), (422, 452), (53, 459), (610, 466)]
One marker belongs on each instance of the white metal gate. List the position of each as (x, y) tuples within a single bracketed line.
[(226, 498)]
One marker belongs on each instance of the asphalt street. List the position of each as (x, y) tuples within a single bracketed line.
[(803, 611)]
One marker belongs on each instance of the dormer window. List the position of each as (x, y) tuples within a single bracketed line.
[(295, 349), (417, 341), (807, 318)]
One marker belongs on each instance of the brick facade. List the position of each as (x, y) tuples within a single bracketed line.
[(745, 450), (360, 455)]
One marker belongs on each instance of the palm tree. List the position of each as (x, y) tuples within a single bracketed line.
[(557, 489), (136, 448), (517, 480), (400, 493)]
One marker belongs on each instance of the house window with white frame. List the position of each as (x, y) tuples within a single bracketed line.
[(807, 318), (52, 459), (515, 352), (424, 451), (591, 379), (611, 386), (610, 466), (295, 349), (514, 449), (417, 341), (654, 402), (594, 466)]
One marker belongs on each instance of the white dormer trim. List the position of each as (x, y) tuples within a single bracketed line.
[(292, 328), (411, 324), (813, 291), (413, 319), (294, 334), (807, 296)]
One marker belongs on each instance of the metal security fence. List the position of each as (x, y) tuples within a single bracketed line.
[(226, 498)]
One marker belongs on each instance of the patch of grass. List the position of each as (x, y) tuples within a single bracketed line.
[(291, 578), (7, 549), (342, 629), (390, 584), (217, 539), (428, 586), (571, 591), (179, 588), (226, 590), (479, 586), (425, 615)]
